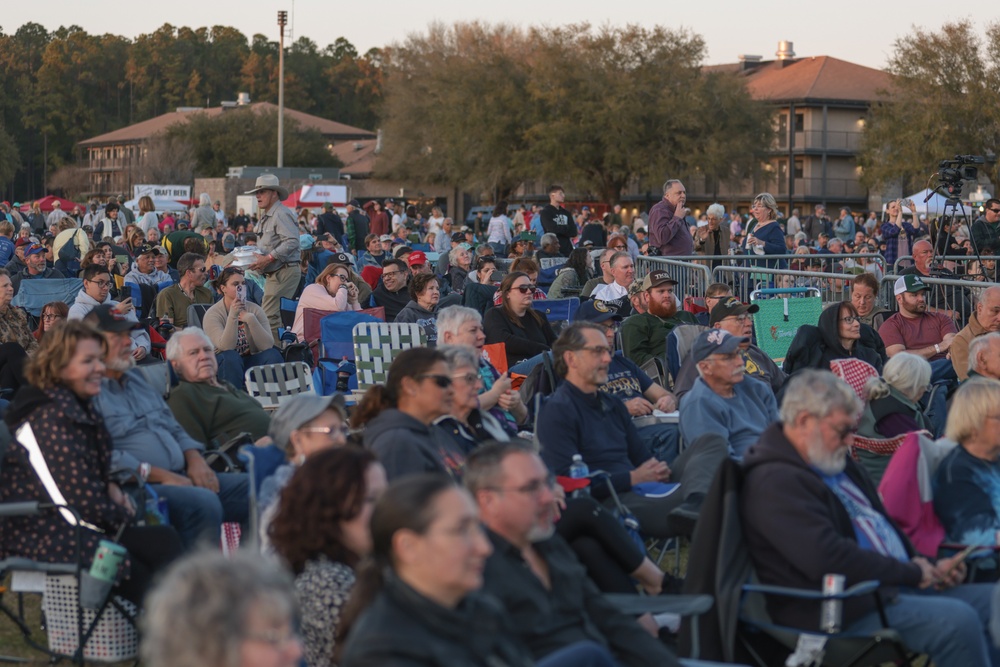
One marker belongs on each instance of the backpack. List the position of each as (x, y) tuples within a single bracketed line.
[(540, 382)]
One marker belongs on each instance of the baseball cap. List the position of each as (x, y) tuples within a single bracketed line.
[(416, 258), (457, 237), (146, 249), (656, 278), (911, 283), (159, 250), (33, 249), (728, 307), (716, 341), (306, 242), (588, 243), (635, 288), (340, 258), (596, 310), (385, 237), (106, 318), (300, 410), (21, 242), (355, 203)]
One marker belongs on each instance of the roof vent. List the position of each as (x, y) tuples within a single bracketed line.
[(785, 51), (243, 99), (748, 62)]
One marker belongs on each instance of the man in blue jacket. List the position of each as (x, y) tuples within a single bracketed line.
[(580, 419)]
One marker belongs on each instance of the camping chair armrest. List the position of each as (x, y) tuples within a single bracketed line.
[(28, 565), (862, 588), (683, 605)]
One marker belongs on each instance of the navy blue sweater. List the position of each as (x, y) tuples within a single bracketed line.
[(596, 426)]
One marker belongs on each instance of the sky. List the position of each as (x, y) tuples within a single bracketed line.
[(860, 32)]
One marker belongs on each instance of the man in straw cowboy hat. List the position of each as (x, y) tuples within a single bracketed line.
[(278, 240)]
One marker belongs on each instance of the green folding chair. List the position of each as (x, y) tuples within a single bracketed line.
[(782, 312), (376, 344)]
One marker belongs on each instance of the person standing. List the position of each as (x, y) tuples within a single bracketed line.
[(668, 228), (557, 220), (278, 240), (357, 228)]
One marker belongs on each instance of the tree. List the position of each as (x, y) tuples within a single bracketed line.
[(10, 160), (942, 103), (246, 136)]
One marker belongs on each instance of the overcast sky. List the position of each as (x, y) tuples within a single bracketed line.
[(861, 32)]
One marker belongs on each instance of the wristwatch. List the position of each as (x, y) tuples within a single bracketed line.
[(937, 348)]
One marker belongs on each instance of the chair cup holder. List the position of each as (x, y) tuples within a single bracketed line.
[(93, 591)]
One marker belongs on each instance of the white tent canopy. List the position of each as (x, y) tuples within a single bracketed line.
[(933, 207), (159, 205)]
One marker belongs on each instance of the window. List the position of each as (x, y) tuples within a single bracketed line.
[(800, 168), (800, 122)]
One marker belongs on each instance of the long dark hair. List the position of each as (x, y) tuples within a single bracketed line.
[(407, 364), (505, 286), (406, 504), (327, 490), (578, 260)]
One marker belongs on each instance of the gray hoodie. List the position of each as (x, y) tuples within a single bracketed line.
[(85, 303), (427, 319)]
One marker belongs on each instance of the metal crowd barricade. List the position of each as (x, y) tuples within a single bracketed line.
[(833, 287), (957, 297), (692, 279), (959, 264)]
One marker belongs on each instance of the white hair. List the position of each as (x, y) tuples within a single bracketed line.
[(978, 345), (452, 318), (716, 211), (907, 372), (174, 343)]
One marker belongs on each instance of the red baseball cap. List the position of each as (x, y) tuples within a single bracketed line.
[(416, 258)]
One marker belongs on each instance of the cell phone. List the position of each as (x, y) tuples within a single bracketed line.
[(241, 292), (121, 259)]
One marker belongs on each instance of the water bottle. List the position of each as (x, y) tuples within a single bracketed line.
[(831, 609), (579, 470)]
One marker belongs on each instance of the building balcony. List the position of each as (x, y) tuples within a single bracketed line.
[(818, 140)]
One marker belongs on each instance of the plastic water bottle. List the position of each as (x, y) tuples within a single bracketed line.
[(579, 470), (831, 609)]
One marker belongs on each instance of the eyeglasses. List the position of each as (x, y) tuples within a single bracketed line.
[(468, 378), (390, 274), (850, 319), (533, 488), (599, 350), (442, 381), (343, 430), (993, 210), (52, 316), (277, 639), (525, 289), (101, 284), (745, 317), (846, 431)]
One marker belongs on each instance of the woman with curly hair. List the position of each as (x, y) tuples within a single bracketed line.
[(322, 532)]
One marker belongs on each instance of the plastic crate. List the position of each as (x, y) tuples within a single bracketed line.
[(114, 639)]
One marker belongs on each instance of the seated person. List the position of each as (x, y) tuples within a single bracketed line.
[(173, 302), (143, 271), (53, 313), (209, 409), (423, 306), (714, 294), (967, 482), (35, 267), (391, 292), (549, 598), (161, 260), (578, 418), (458, 325), (623, 271), (524, 331), (605, 278), (985, 320), (734, 317), (96, 292), (628, 383), (984, 356), (723, 401), (398, 416), (529, 267), (148, 440), (71, 455), (807, 510), (459, 265), (864, 296), (644, 335), (374, 256), (839, 334), (239, 329), (466, 423), (572, 276), (333, 291)]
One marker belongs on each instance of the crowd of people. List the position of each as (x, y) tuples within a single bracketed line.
[(438, 518)]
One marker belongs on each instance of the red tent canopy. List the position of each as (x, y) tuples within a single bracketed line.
[(46, 204)]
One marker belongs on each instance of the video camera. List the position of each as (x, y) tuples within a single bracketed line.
[(951, 173)]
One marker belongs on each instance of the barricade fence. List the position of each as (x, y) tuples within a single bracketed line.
[(958, 264), (954, 297), (692, 279), (833, 287)]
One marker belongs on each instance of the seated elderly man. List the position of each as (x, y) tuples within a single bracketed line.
[(550, 601), (808, 510), (96, 291), (209, 409), (985, 320), (173, 302), (579, 418), (734, 317), (723, 401), (984, 356), (143, 271), (148, 440)]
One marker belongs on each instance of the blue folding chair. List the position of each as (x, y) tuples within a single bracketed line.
[(558, 310), (337, 340)]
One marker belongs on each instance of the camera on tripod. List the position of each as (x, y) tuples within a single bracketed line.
[(952, 173)]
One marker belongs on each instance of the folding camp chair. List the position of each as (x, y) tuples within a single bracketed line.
[(377, 343), (272, 384), (196, 314), (679, 342), (558, 311), (32, 295), (478, 297), (777, 320), (335, 332), (738, 629), (287, 309)]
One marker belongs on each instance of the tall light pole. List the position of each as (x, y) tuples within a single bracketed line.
[(282, 21)]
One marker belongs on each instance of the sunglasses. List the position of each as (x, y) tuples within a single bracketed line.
[(442, 381), (526, 289)]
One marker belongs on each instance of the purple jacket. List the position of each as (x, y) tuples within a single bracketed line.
[(668, 232)]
